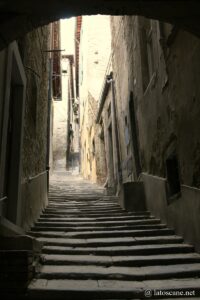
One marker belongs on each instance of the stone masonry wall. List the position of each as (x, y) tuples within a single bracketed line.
[(167, 112), (35, 62), (35, 59)]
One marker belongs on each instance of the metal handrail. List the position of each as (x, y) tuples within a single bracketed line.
[(29, 179), (3, 199)]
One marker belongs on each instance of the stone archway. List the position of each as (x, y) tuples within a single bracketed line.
[(20, 17)]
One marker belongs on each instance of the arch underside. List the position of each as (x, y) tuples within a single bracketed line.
[(19, 17)]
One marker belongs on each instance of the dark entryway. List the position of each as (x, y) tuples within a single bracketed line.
[(134, 132), (12, 136)]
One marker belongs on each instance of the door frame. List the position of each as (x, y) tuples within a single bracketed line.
[(16, 81)]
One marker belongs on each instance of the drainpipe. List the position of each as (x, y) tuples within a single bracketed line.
[(115, 132), (49, 120)]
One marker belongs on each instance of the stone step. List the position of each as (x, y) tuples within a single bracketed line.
[(81, 214), (81, 205), (99, 219), (109, 289), (65, 197), (60, 230), (94, 216), (148, 260), (93, 249), (109, 212), (101, 201), (78, 210), (122, 273), (37, 229), (85, 205), (96, 224), (121, 250), (119, 233), (84, 196), (60, 241), (91, 208), (59, 227)]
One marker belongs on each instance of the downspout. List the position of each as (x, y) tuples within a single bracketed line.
[(115, 131), (49, 121)]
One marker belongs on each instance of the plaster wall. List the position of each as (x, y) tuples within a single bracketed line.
[(167, 115), (167, 111)]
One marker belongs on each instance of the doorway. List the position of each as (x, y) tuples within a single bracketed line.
[(134, 132), (12, 137), (111, 162)]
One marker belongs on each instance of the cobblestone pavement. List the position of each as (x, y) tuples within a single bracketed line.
[(93, 249)]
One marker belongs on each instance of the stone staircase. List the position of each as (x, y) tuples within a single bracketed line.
[(95, 250)]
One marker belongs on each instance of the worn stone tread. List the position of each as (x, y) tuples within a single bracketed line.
[(85, 206), (122, 250), (58, 230), (54, 239), (121, 260), (92, 230), (98, 223), (81, 214), (96, 219), (78, 209), (123, 273), (120, 233), (93, 249), (106, 289)]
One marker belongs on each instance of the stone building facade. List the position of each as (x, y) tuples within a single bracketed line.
[(95, 45), (156, 91), (24, 114)]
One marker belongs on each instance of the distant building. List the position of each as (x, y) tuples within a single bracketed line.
[(95, 49), (65, 107)]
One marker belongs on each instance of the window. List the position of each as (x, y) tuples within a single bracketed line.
[(173, 181), (135, 136), (93, 147)]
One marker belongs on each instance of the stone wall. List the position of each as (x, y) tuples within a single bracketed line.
[(35, 62), (34, 181), (123, 77), (168, 110), (157, 66)]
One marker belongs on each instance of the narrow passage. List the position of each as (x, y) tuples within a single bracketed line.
[(93, 249)]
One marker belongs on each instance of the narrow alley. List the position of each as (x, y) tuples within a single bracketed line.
[(99, 149), (93, 249)]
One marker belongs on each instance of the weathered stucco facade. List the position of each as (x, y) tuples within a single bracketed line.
[(95, 47), (156, 73), (26, 185), (34, 176)]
